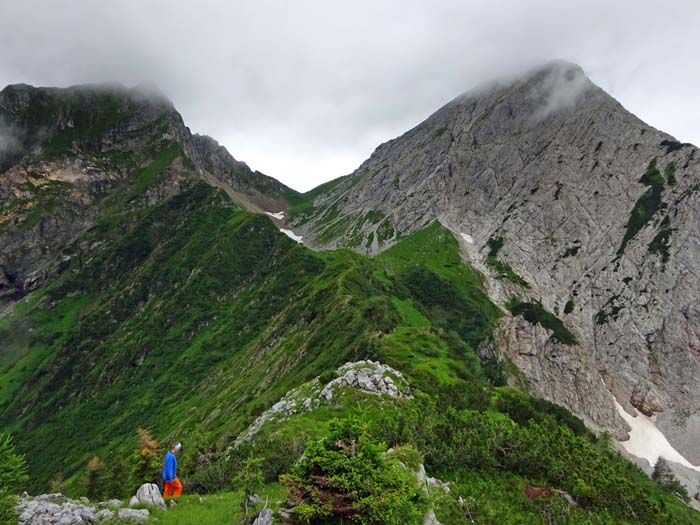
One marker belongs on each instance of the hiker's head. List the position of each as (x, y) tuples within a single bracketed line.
[(176, 447)]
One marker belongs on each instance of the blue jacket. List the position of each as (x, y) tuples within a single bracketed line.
[(170, 467)]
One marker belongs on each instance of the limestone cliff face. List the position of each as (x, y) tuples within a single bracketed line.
[(65, 153), (559, 195)]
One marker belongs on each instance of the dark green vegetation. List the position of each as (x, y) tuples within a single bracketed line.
[(569, 306), (670, 173), (609, 310), (348, 476), (664, 476), (661, 242), (503, 270), (535, 313), (13, 476), (646, 206)]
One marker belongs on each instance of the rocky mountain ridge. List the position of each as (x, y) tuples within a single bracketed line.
[(65, 151)]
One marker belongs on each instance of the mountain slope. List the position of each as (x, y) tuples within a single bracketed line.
[(167, 324), (563, 197), (63, 151), (147, 291), (201, 316)]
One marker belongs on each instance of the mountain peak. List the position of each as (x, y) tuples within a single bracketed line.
[(535, 94)]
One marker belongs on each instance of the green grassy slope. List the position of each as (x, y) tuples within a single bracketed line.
[(190, 317), (194, 317), (169, 321)]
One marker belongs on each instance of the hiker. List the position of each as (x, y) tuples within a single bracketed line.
[(173, 487)]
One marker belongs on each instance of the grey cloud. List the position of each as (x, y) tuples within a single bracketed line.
[(560, 90), (305, 90), (10, 139)]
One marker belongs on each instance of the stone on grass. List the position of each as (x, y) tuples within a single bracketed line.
[(149, 494), (133, 515)]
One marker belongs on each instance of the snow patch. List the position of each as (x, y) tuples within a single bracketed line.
[(292, 235), (646, 441), (278, 215), (467, 238)]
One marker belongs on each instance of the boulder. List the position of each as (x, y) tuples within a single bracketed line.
[(111, 503), (104, 515), (149, 494), (133, 515), (264, 517)]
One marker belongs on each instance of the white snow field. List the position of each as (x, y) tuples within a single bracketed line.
[(278, 215), (648, 442), (292, 235)]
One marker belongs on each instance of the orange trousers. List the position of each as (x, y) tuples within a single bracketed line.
[(172, 489)]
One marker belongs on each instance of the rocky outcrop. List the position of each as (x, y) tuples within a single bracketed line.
[(592, 210), (57, 509), (367, 376), (370, 377)]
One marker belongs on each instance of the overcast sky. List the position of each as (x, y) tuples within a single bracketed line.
[(305, 90)]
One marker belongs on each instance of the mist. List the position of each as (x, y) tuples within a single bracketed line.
[(9, 139), (304, 91)]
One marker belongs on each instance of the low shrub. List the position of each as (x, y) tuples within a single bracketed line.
[(13, 477), (345, 476)]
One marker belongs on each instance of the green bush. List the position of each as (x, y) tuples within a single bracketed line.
[(664, 476), (495, 244), (249, 479), (13, 476), (646, 206), (146, 462), (505, 272), (97, 479), (345, 477), (535, 313), (523, 408), (670, 173)]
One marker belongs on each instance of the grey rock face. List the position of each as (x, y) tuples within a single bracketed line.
[(556, 168), (104, 515)]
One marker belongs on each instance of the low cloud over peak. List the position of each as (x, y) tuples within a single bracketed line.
[(305, 90)]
